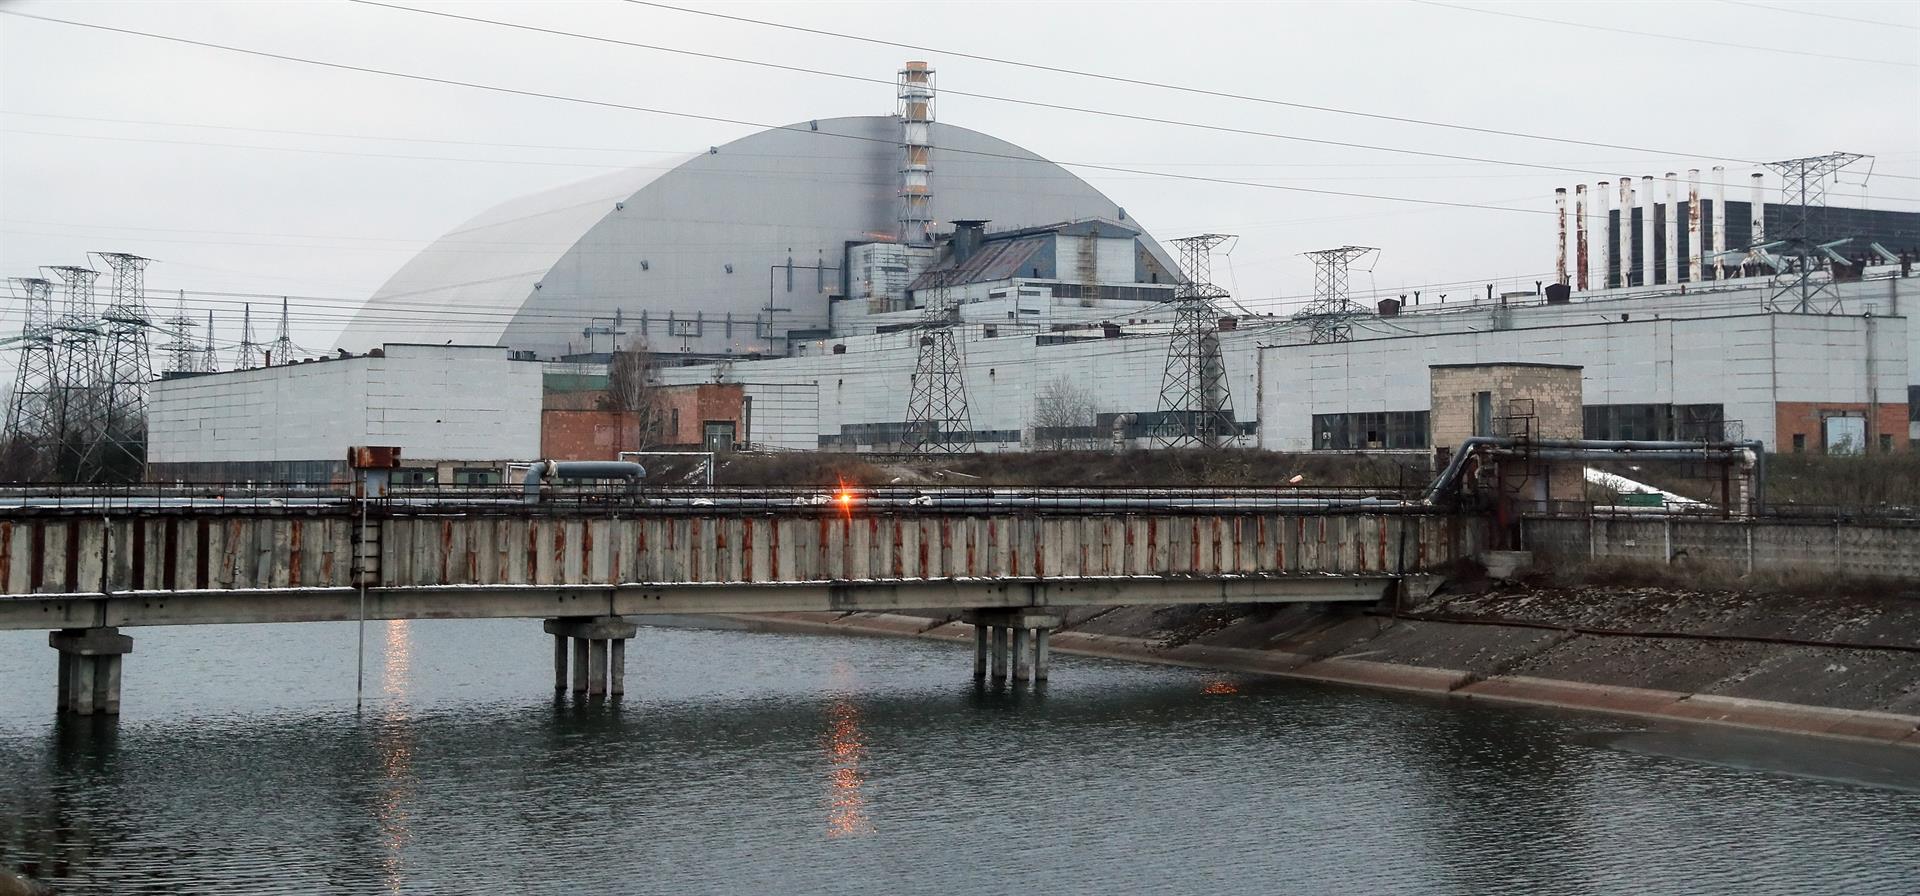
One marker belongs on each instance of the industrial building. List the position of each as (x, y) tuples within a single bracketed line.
[(455, 412), (796, 291)]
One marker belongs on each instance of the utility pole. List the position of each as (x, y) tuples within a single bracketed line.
[(1332, 312), (1196, 405), (1804, 235)]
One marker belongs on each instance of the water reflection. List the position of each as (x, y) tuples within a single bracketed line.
[(393, 744), (1220, 688), (846, 808)]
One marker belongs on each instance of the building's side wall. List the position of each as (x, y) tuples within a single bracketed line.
[(1746, 364), (587, 434), (871, 383), (433, 402), (782, 417)]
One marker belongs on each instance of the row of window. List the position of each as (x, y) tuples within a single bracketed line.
[(1371, 429), (1659, 422)]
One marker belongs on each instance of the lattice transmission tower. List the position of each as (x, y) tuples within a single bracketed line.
[(1804, 236), (937, 418), (1196, 406), (32, 428), (79, 342), (282, 351), (126, 367), (1331, 315), (209, 361), (183, 354), (247, 356)]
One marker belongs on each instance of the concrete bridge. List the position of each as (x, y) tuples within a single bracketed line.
[(83, 567)]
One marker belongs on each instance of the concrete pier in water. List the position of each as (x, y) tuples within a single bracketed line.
[(89, 677), (599, 654), (1010, 643)]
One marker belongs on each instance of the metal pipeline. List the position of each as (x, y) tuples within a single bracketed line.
[(581, 469), (1751, 454)]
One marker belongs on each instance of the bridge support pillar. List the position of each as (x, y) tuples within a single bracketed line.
[(90, 669), (599, 648), (1011, 643)]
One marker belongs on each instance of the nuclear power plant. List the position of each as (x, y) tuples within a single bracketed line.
[(899, 284)]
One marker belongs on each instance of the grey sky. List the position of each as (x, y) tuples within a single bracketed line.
[(235, 210)]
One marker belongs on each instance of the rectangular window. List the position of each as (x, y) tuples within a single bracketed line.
[(1483, 413), (1799, 443), (1886, 443), (1844, 434)]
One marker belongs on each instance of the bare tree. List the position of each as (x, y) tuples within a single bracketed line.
[(634, 391), (1062, 415)]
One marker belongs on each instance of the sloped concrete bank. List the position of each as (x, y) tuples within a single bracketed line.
[(1532, 647)]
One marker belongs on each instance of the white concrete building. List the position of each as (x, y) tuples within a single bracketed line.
[(445, 407), (1663, 363)]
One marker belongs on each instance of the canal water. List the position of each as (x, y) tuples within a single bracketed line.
[(750, 763)]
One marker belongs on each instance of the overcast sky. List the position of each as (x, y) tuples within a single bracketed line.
[(187, 155)]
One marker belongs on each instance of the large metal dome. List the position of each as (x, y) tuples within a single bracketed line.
[(694, 256)]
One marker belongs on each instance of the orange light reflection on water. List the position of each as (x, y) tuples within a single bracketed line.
[(393, 741), (846, 807), (1217, 688)]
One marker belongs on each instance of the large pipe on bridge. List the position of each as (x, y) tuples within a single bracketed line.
[(581, 469)]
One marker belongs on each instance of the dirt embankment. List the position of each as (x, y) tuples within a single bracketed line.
[(1835, 666)]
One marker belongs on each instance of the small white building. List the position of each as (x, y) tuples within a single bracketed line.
[(455, 412)]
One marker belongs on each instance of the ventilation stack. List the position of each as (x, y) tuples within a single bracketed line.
[(916, 172)]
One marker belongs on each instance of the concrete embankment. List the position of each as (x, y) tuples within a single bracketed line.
[(1829, 667)]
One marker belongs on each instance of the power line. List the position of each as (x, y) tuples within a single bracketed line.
[(1608, 164), (294, 133), (1149, 119), (1198, 91), (511, 91), (1821, 15), (1673, 37)]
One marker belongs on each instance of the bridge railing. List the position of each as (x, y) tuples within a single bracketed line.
[(619, 498)]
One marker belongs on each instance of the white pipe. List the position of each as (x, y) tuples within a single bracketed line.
[(1672, 248), (1580, 236), (1624, 233), (1602, 219), (1694, 249), (1648, 251), (1719, 222), (1759, 203), (1560, 208)]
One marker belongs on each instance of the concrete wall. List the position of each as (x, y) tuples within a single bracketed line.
[(434, 402), (1846, 549)]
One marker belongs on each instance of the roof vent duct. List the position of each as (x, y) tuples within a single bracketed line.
[(967, 237)]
